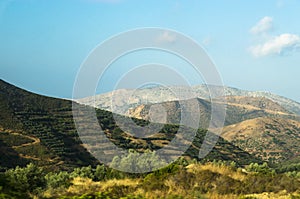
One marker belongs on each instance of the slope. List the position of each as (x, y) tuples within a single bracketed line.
[(41, 129), (46, 119), (238, 109), (125, 99), (272, 139)]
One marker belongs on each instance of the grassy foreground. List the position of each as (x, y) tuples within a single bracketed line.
[(179, 180)]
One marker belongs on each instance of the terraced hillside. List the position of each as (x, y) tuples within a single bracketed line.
[(46, 119), (41, 129), (256, 124), (272, 139)]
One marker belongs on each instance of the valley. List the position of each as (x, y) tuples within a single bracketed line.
[(254, 120), (38, 137)]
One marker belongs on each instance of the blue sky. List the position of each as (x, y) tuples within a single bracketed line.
[(254, 44)]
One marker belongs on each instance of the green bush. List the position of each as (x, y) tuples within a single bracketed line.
[(6, 196), (136, 162), (56, 180), (260, 168), (29, 179), (103, 172), (83, 172)]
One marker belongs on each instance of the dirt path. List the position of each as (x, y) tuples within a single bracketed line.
[(35, 140), (29, 157)]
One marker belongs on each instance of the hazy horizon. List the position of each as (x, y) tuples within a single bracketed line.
[(255, 45)]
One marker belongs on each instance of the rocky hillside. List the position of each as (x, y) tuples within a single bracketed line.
[(256, 103), (238, 109), (35, 128), (272, 139), (255, 124), (120, 101)]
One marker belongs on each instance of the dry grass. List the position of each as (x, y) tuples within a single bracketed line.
[(174, 189), (154, 194), (218, 196), (183, 184), (281, 195), (83, 185), (122, 182), (222, 169)]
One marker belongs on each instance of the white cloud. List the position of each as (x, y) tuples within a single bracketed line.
[(268, 44), (277, 45), (166, 37), (263, 26)]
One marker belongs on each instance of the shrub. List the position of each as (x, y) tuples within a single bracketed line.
[(83, 172), (260, 168), (56, 180), (103, 172), (29, 179), (136, 162)]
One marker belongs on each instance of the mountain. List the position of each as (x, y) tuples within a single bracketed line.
[(238, 109), (256, 103), (261, 123), (288, 104), (272, 139), (173, 111), (256, 124), (125, 99), (40, 129)]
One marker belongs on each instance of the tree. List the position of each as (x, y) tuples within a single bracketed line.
[(83, 172), (28, 179), (136, 162), (260, 168), (56, 180), (105, 173)]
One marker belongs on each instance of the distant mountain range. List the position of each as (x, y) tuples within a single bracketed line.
[(251, 123), (124, 99), (40, 129), (261, 123), (238, 109)]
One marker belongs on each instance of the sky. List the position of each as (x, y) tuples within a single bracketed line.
[(255, 45)]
